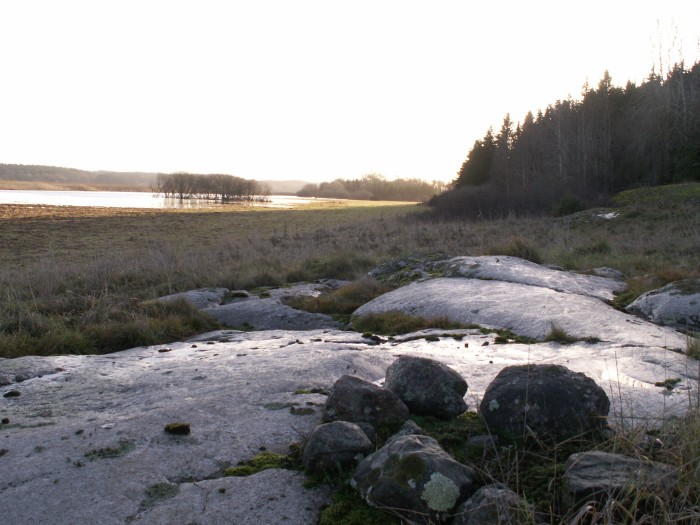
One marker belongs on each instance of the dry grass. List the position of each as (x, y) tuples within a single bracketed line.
[(61, 265)]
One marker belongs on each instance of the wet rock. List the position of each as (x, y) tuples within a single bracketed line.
[(335, 447), (412, 477), (550, 401), (525, 309), (676, 304), (597, 475), (427, 387), (494, 504), (359, 401)]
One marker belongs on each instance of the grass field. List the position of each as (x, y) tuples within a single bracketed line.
[(77, 279)]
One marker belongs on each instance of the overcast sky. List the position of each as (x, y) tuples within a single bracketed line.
[(312, 90)]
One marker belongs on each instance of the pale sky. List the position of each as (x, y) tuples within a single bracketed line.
[(300, 89)]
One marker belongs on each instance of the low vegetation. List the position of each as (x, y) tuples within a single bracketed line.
[(83, 280)]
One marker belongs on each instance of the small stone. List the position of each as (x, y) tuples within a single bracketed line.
[(163, 350), (177, 428), (12, 393), (6, 421)]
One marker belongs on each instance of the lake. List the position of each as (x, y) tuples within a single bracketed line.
[(122, 199)]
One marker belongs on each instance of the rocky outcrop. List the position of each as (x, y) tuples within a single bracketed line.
[(522, 308), (550, 401), (414, 478), (267, 311), (676, 304), (427, 387), (335, 447)]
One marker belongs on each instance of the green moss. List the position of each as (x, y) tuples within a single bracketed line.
[(669, 383), (159, 492), (124, 447), (265, 461), (348, 508)]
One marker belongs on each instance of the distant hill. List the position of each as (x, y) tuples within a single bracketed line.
[(53, 176), (27, 176)]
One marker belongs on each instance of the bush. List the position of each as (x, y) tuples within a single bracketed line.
[(517, 247), (343, 301), (568, 204)]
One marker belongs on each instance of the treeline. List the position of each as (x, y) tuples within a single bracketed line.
[(38, 173), (214, 187), (578, 152), (375, 187)]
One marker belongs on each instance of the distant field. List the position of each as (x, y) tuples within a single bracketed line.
[(29, 233)]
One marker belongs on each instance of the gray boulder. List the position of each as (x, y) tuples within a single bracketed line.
[(269, 314), (335, 447), (549, 400), (359, 401), (494, 504), (676, 304), (415, 479), (202, 298), (428, 387), (600, 475)]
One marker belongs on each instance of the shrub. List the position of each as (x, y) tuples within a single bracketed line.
[(568, 204), (517, 247), (343, 301)]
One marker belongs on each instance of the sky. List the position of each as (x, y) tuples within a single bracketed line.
[(309, 90)]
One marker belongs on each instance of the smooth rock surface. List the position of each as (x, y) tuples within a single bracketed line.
[(525, 309), (676, 304), (515, 270), (269, 314)]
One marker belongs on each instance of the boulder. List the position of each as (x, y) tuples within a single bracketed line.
[(494, 504), (359, 401), (676, 304), (269, 314), (415, 479), (549, 400), (335, 447), (427, 387), (202, 298), (596, 475), (525, 309)]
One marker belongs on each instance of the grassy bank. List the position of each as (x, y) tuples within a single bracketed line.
[(67, 272)]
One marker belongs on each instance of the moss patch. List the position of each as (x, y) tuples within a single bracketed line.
[(348, 508), (158, 493), (124, 447), (265, 461)]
